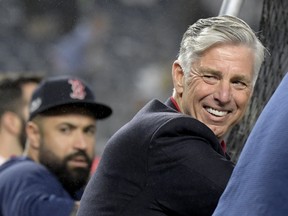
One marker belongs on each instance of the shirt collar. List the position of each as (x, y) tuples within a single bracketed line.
[(175, 104)]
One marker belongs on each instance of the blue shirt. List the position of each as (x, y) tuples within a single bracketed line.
[(28, 188)]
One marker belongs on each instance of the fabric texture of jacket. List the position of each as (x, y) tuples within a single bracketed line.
[(160, 163)]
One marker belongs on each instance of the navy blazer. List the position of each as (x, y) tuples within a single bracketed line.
[(160, 163)]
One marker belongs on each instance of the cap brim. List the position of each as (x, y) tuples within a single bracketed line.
[(100, 111)]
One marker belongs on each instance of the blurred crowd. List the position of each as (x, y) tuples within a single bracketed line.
[(123, 48)]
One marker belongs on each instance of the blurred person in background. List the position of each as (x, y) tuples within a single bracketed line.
[(49, 178), (15, 93), (170, 158)]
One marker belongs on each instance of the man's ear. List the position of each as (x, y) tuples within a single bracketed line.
[(33, 134), (11, 122), (178, 77)]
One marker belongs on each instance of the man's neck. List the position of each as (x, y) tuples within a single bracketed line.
[(9, 146)]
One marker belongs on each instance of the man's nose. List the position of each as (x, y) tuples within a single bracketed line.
[(80, 141), (223, 92)]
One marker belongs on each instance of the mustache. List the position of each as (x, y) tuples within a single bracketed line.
[(77, 154)]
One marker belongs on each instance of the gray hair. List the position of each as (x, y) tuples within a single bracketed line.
[(208, 32)]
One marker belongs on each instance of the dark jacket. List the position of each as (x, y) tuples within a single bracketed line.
[(160, 163)]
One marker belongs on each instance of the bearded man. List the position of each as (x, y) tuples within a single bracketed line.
[(49, 177)]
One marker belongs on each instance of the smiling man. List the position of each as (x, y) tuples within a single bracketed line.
[(218, 86), (170, 158), (50, 177)]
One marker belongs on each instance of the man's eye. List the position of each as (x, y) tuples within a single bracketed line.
[(240, 85), (65, 130), (210, 79), (90, 131)]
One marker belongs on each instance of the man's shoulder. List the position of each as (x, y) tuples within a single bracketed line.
[(144, 124), (168, 115), (28, 188), (13, 161), (155, 111), (156, 118), (25, 174), (21, 167), (162, 119)]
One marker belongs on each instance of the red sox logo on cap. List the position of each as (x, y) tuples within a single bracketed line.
[(78, 89), (58, 91)]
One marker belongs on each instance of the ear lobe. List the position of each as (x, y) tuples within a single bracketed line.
[(33, 134), (178, 77), (11, 122)]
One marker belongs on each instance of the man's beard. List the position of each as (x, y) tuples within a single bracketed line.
[(71, 179)]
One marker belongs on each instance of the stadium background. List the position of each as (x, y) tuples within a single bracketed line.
[(123, 48)]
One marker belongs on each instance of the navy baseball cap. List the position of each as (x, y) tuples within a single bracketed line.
[(57, 91)]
